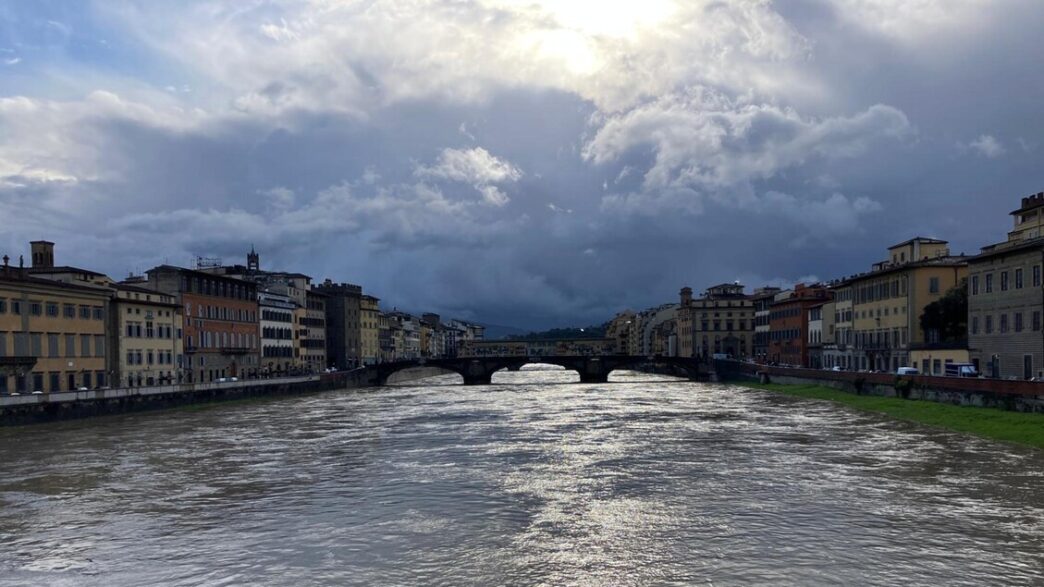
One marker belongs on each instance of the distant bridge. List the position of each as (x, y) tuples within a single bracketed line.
[(592, 369)]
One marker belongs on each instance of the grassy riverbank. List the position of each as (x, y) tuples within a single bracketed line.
[(1017, 427)]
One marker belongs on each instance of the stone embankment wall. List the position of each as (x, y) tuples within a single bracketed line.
[(50, 407), (1020, 396)]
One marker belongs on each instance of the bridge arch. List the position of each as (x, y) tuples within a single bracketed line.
[(401, 376)]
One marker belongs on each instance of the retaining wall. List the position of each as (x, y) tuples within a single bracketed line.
[(1020, 396), (66, 405)]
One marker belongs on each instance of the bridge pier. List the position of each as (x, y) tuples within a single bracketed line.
[(594, 378), (486, 379)]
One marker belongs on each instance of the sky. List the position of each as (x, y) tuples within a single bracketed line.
[(530, 163)]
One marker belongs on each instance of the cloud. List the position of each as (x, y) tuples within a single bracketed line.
[(606, 144), (476, 167), (987, 146)]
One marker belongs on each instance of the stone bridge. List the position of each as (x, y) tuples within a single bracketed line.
[(592, 369)]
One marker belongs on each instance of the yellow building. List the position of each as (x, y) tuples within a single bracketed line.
[(932, 359), (888, 301), (369, 329), (146, 328), (52, 334), (619, 331), (721, 321)]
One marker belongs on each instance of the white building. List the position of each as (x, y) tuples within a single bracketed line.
[(277, 332)]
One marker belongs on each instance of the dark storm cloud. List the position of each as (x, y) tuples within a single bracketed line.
[(520, 163)]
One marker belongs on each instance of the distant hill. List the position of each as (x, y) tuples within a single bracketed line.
[(497, 332), (566, 333)]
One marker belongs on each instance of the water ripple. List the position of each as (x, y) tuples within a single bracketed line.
[(531, 481)]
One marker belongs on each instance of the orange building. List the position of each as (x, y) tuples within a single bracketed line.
[(220, 333), (788, 320)]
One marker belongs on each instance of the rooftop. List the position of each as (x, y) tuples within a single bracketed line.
[(919, 239)]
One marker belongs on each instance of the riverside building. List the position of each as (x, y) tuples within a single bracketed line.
[(220, 331), (1006, 299), (52, 334), (888, 301), (145, 329)]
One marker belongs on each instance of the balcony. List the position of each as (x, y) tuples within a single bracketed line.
[(17, 364), (236, 350)]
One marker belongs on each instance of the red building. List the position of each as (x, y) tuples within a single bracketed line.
[(220, 331), (788, 323)]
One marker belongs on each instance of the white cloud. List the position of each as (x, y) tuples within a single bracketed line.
[(988, 146), (12, 61), (707, 145), (476, 167)]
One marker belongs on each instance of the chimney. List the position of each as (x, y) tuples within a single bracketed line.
[(43, 254)]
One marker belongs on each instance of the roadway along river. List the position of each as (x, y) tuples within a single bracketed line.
[(649, 481)]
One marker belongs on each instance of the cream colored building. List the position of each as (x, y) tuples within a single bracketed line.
[(52, 334), (369, 329), (146, 344)]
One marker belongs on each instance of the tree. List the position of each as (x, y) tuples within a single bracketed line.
[(946, 319)]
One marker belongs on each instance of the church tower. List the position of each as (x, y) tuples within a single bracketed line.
[(253, 260)]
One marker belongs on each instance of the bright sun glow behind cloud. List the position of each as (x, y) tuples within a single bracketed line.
[(580, 25)]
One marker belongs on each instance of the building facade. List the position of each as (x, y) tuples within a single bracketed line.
[(312, 332), (369, 329), (889, 300), (220, 322), (789, 327), (762, 301), (1006, 299), (145, 338), (277, 334), (723, 322), (52, 334), (343, 317)]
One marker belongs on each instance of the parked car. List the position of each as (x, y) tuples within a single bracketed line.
[(961, 370), (907, 371)]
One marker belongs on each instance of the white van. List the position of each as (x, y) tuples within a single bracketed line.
[(907, 371)]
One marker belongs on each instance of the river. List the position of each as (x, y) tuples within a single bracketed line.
[(532, 481)]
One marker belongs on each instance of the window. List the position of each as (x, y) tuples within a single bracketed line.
[(989, 283), (16, 307), (52, 309), (1018, 279), (975, 285), (1018, 321), (36, 344), (35, 308), (70, 345), (55, 382), (989, 324), (1036, 321), (98, 313), (933, 285), (975, 325), (1003, 323), (1004, 281), (99, 345), (1036, 276), (85, 312), (3, 306)]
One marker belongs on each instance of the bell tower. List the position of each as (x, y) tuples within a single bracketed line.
[(253, 260), (43, 254)]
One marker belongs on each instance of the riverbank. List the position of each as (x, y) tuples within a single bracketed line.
[(1016, 427)]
